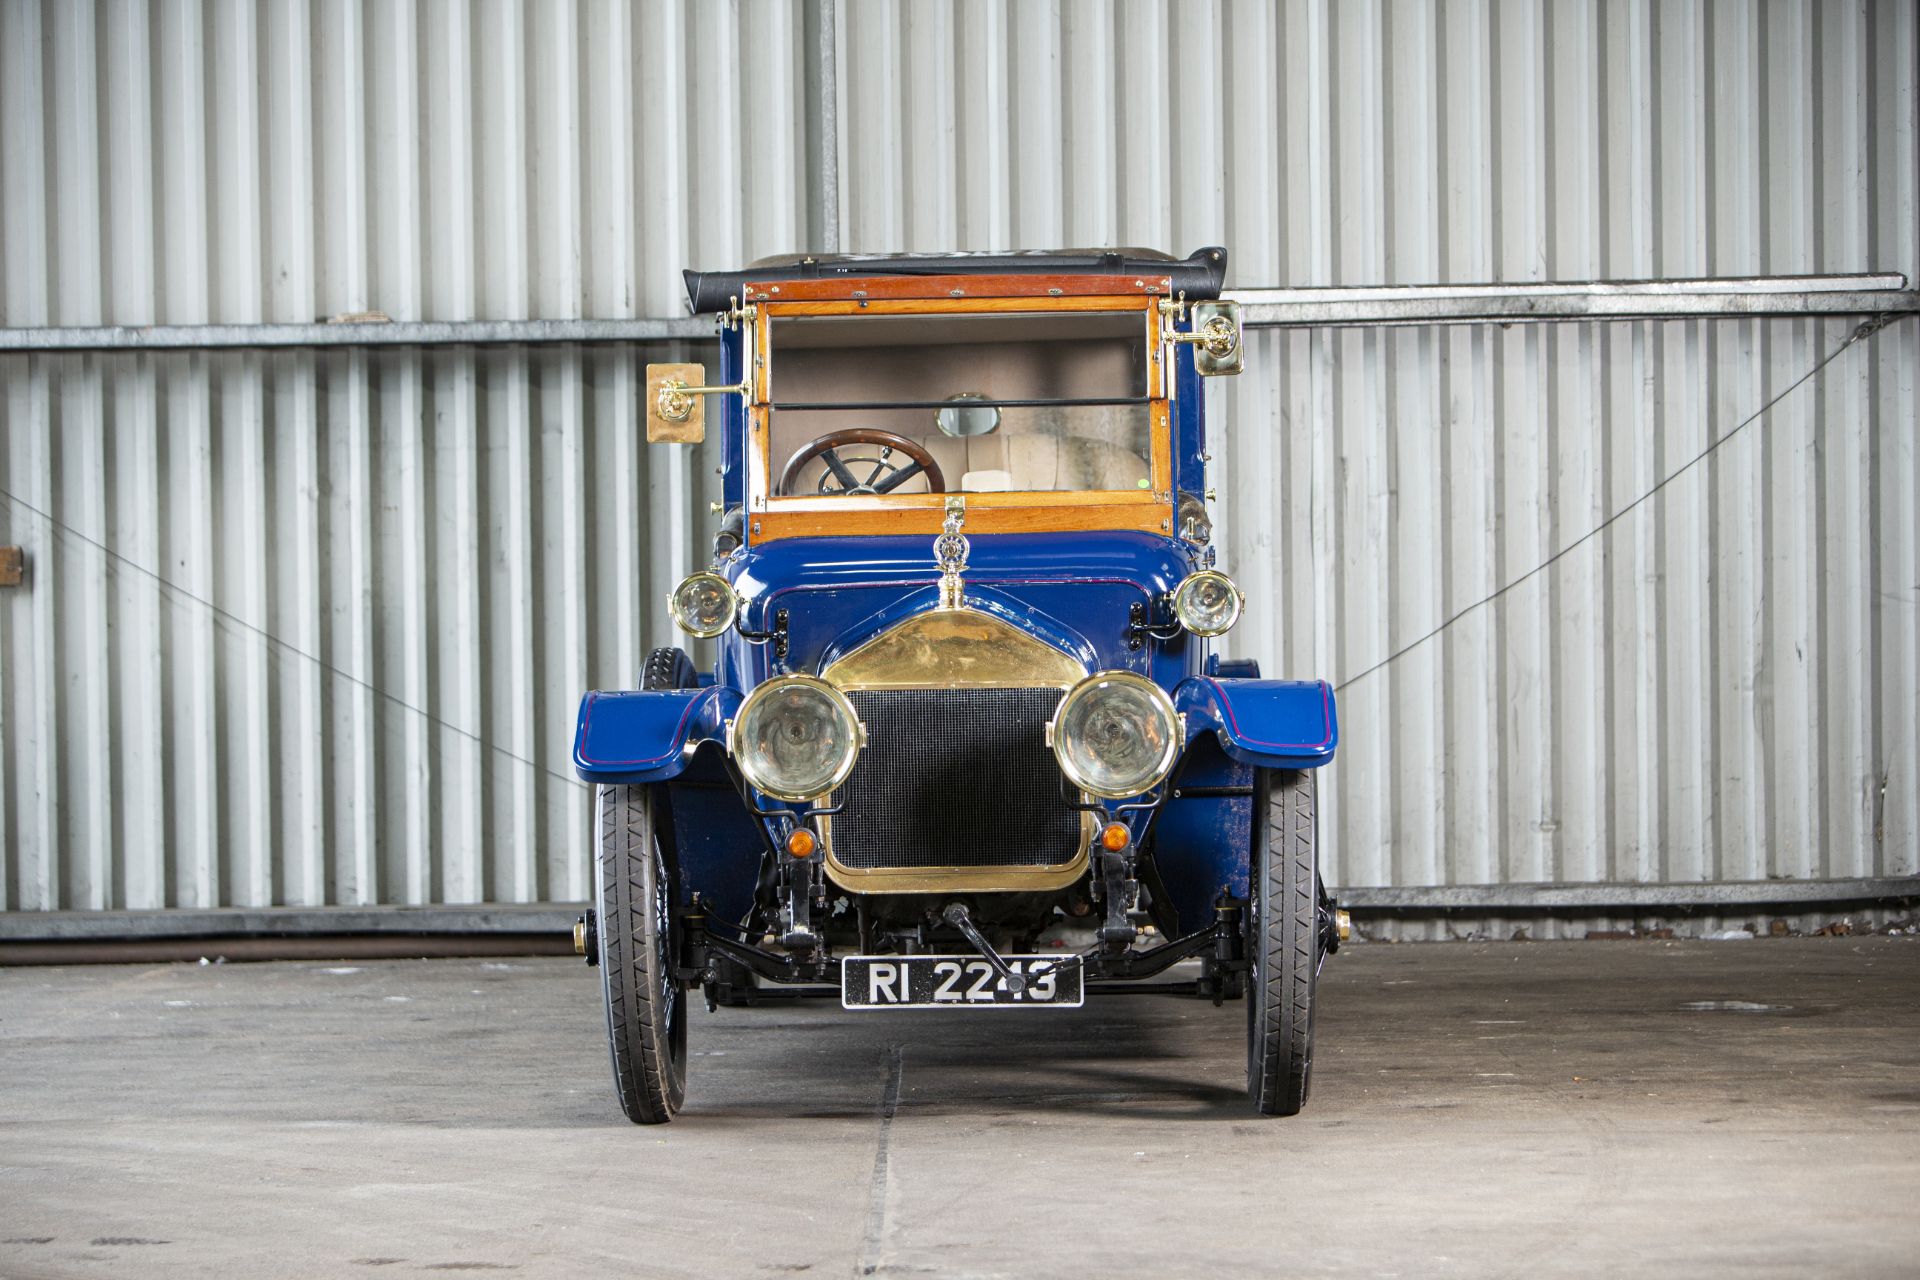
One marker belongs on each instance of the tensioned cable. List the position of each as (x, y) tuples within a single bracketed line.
[(1865, 329), (233, 620)]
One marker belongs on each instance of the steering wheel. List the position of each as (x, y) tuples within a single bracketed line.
[(883, 474)]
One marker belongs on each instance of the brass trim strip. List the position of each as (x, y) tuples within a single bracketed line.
[(999, 879), (960, 648), (792, 514)]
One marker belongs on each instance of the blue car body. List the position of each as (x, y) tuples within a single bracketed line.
[(1073, 591), (965, 741)]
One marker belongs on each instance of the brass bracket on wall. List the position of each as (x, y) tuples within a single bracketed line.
[(13, 567)]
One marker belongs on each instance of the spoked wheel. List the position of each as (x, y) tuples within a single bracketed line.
[(1284, 942), (646, 1009)]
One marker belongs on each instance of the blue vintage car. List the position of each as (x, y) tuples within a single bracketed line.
[(966, 743)]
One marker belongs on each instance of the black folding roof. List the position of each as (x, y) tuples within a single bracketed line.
[(1198, 275)]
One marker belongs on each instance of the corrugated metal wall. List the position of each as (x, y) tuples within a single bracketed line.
[(310, 627)]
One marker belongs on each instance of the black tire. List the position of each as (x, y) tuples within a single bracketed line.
[(646, 1008), (668, 668), (1283, 942)]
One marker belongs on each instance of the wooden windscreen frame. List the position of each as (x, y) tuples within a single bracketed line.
[(771, 517)]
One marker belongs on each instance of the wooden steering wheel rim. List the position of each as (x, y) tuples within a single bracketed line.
[(936, 483)]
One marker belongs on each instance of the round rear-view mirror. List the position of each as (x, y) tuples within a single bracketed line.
[(967, 415)]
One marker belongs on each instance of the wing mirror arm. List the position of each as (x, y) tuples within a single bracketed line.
[(676, 413), (674, 401), (1215, 336)]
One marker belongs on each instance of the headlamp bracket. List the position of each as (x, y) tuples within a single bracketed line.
[(778, 635), (1140, 624)]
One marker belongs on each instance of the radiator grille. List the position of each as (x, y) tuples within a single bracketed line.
[(955, 778)]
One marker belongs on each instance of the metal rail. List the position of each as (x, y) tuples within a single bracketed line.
[(556, 919), (545, 919), (359, 333), (1391, 305), (1671, 897), (1754, 296)]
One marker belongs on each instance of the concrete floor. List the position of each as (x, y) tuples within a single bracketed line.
[(1596, 1108)]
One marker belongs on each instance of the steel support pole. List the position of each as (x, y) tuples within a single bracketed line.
[(386, 333), (1775, 296), (1260, 308), (823, 125), (556, 919), (1656, 899), (1755, 296)]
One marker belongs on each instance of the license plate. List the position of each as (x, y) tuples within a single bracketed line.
[(945, 982)]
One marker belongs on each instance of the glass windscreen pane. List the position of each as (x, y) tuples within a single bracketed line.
[(983, 403)]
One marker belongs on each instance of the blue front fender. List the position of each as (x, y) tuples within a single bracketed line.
[(1273, 724), (647, 735)]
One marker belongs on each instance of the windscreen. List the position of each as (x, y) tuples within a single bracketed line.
[(979, 403)]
